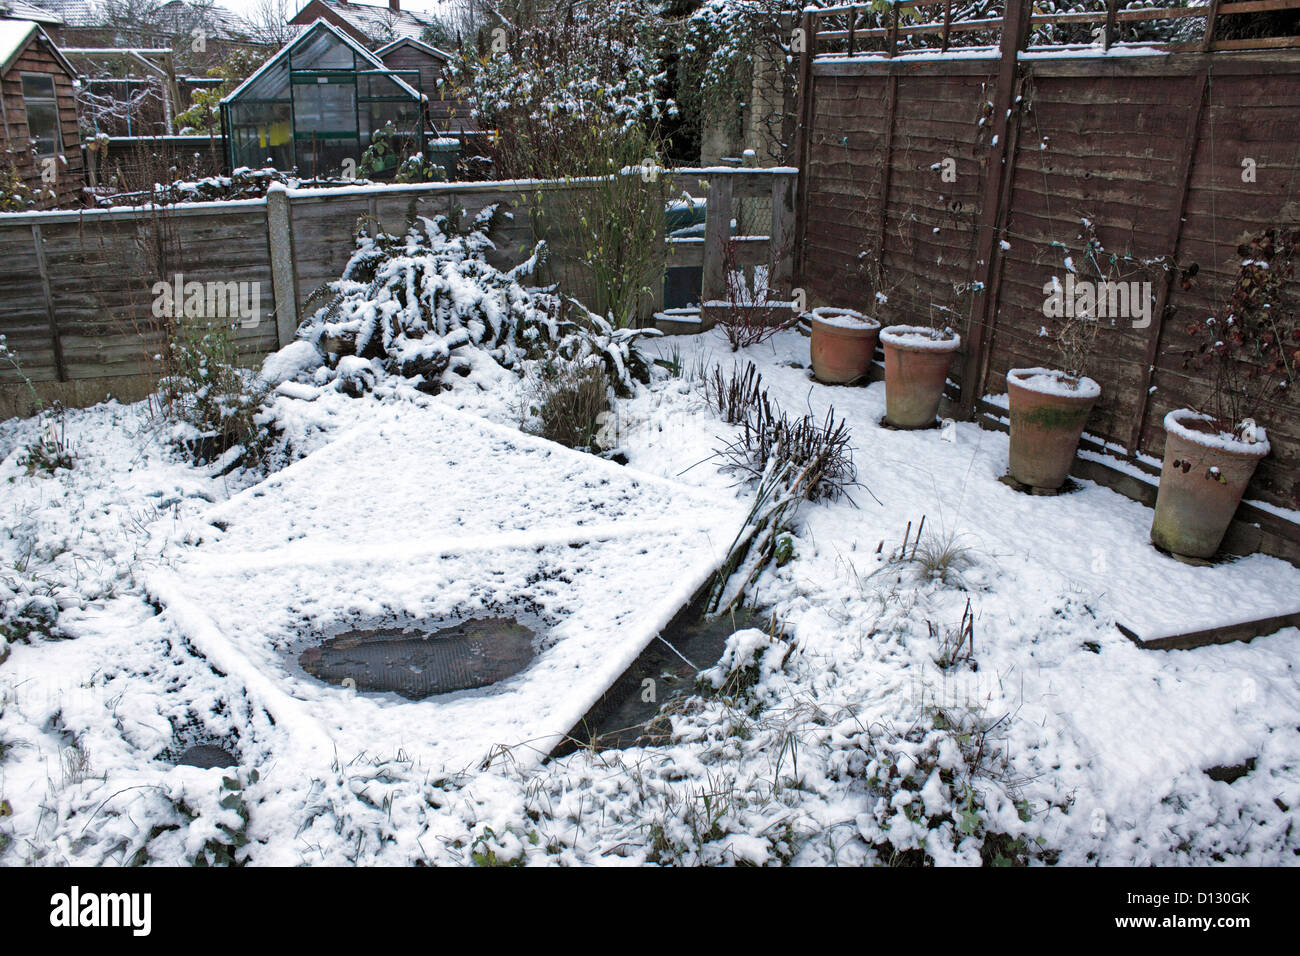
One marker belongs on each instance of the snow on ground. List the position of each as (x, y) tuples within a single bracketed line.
[(846, 741)]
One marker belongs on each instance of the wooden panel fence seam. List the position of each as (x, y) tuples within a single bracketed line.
[(983, 309), (1173, 238), (56, 343), (886, 167), (994, 292)]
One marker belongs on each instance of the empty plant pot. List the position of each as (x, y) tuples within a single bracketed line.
[(916, 368), (1048, 412), (843, 344), (1206, 470)]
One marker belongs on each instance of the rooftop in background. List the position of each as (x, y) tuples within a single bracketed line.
[(224, 24), (21, 10), (177, 16), (380, 24), (73, 13)]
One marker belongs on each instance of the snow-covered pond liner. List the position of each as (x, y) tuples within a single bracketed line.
[(440, 516)]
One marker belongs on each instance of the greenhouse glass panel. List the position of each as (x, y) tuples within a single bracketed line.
[(315, 105)]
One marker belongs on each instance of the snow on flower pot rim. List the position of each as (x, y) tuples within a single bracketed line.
[(920, 338), (1048, 410), (1178, 422), (1204, 475), (839, 318), (842, 345), (1051, 381), (916, 371)]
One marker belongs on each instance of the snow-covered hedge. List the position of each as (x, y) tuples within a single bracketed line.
[(427, 305)]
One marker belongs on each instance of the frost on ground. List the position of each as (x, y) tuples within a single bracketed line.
[(967, 699)]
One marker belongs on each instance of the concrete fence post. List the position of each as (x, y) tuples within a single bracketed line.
[(284, 280)]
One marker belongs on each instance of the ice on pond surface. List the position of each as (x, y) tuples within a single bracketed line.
[(418, 664)]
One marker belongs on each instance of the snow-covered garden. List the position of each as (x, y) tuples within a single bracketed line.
[(940, 677)]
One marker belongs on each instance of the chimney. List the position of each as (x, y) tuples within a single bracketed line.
[(395, 5)]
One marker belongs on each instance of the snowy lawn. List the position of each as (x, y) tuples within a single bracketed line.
[(839, 739)]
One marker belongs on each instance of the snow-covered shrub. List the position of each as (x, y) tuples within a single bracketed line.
[(213, 405), (596, 66), (415, 306), (50, 450), (27, 607), (749, 658), (579, 95), (942, 792), (15, 194), (389, 149)]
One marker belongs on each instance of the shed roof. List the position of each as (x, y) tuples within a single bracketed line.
[(14, 37), (414, 44)]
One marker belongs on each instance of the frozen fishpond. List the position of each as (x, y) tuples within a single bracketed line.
[(442, 517)]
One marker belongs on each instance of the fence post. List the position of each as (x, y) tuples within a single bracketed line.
[(1015, 32), (803, 133), (284, 280), (1211, 18), (717, 233), (781, 244)]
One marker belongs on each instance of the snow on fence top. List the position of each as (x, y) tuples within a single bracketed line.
[(848, 28)]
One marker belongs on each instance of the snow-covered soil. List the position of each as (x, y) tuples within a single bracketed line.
[(842, 739)]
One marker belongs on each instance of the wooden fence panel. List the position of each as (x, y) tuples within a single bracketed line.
[(1150, 150)]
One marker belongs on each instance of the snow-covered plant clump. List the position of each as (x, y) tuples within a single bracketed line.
[(242, 183), (214, 407), (541, 80), (428, 307)]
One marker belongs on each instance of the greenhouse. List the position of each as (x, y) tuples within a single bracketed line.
[(314, 105)]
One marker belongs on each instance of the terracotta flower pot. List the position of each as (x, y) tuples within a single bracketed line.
[(1048, 413), (843, 344), (916, 368), (1205, 473)]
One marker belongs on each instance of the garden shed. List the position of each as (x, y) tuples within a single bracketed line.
[(38, 115), (406, 53), (314, 105)]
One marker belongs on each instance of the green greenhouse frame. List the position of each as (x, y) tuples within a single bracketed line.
[(314, 105)]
